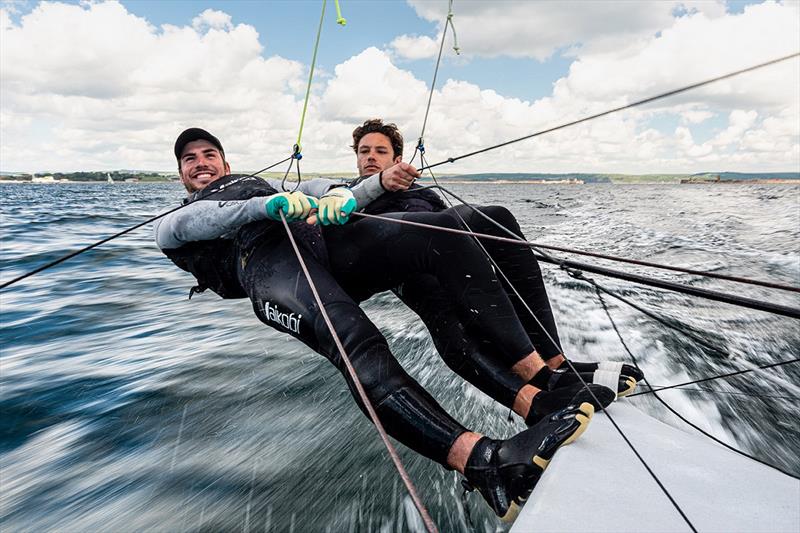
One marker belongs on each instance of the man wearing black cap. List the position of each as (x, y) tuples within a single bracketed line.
[(228, 235)]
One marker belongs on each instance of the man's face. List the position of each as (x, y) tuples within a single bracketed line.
[(374, 154), (201, 163)]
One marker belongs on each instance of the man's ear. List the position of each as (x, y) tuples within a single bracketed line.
[(398, 159), (227, 168)]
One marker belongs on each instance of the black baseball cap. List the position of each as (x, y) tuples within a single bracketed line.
[(195, 134)]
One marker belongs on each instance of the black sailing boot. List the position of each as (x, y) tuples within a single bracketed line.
[(506, 471), (549, 380), (622, 368), (547, 402)]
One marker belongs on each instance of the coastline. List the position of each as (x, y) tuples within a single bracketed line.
[(769, 181)]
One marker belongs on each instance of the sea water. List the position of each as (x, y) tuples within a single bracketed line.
[(124, 406)]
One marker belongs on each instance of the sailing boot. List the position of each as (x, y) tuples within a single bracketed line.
[(506, 471), (623, 368), (547, 379), (546, 403)]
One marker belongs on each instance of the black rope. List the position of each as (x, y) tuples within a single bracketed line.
[(712, 378), (730, 393), (733, 299), (121, 233), (420, 148), (669, 323), (669, 407), (621, 108), (296, 156)]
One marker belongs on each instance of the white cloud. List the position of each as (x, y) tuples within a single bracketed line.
[(210, 18), (115, 90), (414, 47), (539, 29), (695, 116)]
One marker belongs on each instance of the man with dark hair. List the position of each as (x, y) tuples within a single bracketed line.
[(230, 237), (461, 342)]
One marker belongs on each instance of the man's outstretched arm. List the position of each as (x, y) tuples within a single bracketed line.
[(204, 220)]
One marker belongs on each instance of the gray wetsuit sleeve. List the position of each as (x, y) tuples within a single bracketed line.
[(204, 220), (368, 190)]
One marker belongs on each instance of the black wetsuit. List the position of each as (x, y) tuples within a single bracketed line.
[(462, 343), (252, 257)]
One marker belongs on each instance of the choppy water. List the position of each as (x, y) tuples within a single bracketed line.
[(126, 407)]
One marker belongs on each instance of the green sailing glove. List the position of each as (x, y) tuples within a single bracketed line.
[(336, 206), (294, 205)]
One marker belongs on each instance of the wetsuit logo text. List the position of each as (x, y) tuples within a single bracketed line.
[(287, 320)]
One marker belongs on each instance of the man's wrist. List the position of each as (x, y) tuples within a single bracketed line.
[(380, 180)]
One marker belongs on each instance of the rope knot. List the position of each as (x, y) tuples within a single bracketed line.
[(296, 152)]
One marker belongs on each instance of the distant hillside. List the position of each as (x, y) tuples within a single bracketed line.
[(502, 176), (626, 178), (116, 175), (751, 176)]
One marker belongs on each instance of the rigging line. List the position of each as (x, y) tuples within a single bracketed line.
[(668, 406), (712, 378), (705, 293), (448, 22), (579, 275), (741, 301), (286, 174), (704, 273), (121, 233), (429, 524), (747, 394), (574, 370), (770, 376), (620, 108), (311, 77)]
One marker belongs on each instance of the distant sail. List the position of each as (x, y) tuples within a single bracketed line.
[(110, 180)]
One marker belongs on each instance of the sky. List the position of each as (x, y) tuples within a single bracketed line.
[(108, 85)]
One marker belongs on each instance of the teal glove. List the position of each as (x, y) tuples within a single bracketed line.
[(336, 206), (293, 205)]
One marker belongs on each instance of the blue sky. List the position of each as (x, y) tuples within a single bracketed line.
[(523, 66)]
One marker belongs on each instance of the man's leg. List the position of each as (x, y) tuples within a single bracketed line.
[(373, 255), (519, 265), (282, 298), (467, 355), (475, 359)]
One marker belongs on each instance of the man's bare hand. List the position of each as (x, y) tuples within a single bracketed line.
[(399, 177)]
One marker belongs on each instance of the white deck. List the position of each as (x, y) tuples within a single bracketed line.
[(597, 484)]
